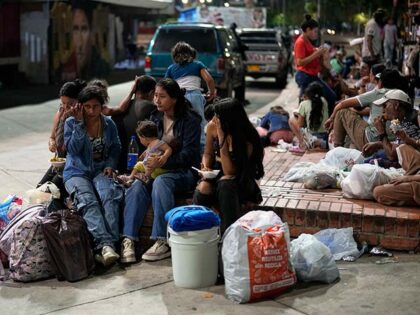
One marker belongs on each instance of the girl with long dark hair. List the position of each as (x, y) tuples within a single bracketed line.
[(241, 160), (310, 118)]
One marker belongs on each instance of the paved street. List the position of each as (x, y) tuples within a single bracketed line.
[(148, 288)]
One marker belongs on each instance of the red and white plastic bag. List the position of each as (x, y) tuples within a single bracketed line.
[(256, 261)]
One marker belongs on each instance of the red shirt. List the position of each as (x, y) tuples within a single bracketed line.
[(303, 49)]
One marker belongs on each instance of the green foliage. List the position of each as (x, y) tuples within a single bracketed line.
[(310, 7), (360, 18)]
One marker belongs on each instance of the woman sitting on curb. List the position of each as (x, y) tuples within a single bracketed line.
[(241, 157), (93, 148), (179, 126), (68, 99)]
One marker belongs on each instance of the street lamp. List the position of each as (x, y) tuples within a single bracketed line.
[(226, 4)]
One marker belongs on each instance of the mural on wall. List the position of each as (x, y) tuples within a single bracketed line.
[(80, 36)]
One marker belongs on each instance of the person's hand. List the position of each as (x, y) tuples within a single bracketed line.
[(400, 180), (108, 171), (162, 160), (321, 51), (329, 124), (52, 145), (379, 124), (402, 135), (77, 112), (370, 148), (210, 96), (154, 162)]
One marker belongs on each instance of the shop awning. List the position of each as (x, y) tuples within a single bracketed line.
[(150, 4)]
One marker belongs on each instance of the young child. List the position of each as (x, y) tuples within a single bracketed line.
[(148, 134), (188, 73)]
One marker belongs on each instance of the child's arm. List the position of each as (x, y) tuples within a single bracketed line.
[(142, 156), (210, 83)]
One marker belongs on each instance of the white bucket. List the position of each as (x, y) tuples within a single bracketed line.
[(194, 257)]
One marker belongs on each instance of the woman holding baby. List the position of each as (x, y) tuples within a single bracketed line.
[(179, 126)]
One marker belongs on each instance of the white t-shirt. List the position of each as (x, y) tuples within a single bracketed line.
[(372, 29)]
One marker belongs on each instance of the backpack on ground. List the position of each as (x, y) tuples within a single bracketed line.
[(24, 243)]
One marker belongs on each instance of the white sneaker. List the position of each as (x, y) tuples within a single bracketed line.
[(160, 250), (109, 256), (128, 254)]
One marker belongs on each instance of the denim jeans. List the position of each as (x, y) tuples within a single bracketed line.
[(101, 215), (303, 80), (161, 194), (198, 102)]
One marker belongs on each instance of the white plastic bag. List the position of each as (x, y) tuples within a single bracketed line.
[(312, 260), (362, 180), (340, 242), (256, 260), (297, 172), (342, 158)]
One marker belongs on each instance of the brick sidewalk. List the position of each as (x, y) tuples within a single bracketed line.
[(308, 211)]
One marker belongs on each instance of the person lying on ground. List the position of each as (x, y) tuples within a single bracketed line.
[(275, 126), (346, 122), (312, 115), (398, 110), (147, 131), (93, 147), (241, 161)]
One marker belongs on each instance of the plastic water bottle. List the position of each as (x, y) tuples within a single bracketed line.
[(133, 153)]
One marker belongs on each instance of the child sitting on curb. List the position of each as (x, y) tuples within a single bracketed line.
[(147, 132)]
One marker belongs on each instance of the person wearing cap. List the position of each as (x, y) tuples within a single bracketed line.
[(404, 190), (398, 109), (349, 122)]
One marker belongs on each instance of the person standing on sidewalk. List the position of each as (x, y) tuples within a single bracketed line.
[(93, 148), (308, 60), (390, 40), (188, 73), (372, 42)]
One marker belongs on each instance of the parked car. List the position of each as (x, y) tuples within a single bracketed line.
[(216, 47), (266, 55)]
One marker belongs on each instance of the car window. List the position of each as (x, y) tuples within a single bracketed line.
[(259, 37), (203, 40)]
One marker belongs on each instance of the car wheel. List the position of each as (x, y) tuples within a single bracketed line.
[(223, 93), (240, 91), (282, 80)]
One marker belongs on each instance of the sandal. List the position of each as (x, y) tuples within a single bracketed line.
[(297, 150)]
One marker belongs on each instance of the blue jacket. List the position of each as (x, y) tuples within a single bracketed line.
[(274, 122), (186, 144), (79, 160)]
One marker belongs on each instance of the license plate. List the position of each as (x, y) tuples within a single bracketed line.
[(253, 68)]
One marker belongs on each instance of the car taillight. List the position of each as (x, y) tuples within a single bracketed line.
[(147, 63), (221, 64)]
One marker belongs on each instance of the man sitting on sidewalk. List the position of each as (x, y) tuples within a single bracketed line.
[(398, 110), (346, 121)]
